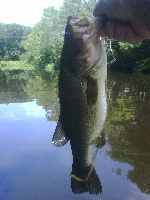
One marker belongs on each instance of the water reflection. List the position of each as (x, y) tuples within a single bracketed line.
[(24, 87), (31, 168), (128, 125)]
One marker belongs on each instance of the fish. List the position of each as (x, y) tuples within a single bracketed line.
[(82, 96)]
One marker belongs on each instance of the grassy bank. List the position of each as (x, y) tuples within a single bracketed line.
[(15, 65)]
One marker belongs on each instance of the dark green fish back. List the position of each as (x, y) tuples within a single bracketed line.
[(82, 94)]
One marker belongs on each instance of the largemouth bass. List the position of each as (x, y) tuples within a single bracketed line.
[(82, 95)]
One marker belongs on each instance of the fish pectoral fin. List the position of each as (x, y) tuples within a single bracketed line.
[(92, 90), (101, 140), (59, 138)]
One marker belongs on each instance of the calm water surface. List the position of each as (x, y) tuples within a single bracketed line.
[(32, 169)]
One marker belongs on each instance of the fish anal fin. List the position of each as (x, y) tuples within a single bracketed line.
[(59, 138), (92, 90)]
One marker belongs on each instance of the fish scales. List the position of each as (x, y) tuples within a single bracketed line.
[(82, 96), (80, 119)]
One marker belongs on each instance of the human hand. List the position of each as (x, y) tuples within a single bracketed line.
[(125, 20)]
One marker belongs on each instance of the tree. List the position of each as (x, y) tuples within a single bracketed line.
[(43, 46), (129, 57), (11, 36)]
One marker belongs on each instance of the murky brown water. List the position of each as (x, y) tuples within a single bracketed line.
[(31, 168)]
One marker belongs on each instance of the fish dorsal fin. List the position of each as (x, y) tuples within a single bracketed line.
[(59, 138), (92, 90)]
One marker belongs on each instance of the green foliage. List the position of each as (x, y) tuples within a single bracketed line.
[(15, 65), (78, 8), (44, 44), (10, 37), (131, 57)]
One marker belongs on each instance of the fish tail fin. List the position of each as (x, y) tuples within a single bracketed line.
[(94, 184), (91, 185), (78, 187)]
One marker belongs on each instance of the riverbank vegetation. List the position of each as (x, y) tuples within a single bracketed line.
[(15, 65), (41, 45)]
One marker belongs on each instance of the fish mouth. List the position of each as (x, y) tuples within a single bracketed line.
[(84, 47), (85, 30)]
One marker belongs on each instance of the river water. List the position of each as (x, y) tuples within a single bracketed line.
[(31, 168)]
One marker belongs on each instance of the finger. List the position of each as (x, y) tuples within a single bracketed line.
[(101, 32), (122, 32), (141, 30), (110, 29), (131, 36), (119, 32)]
